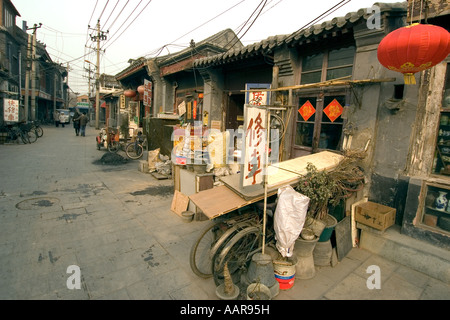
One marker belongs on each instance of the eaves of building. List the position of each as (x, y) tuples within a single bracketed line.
[(331, 28)]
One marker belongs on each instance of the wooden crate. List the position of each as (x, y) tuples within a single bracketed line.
[(375, 215)]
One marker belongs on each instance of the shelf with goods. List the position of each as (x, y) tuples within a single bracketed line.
[(436, 210)]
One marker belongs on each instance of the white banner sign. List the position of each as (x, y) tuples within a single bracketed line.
[(11, 110), (255, 146)]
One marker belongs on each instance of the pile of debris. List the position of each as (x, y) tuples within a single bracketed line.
[(111, 158)]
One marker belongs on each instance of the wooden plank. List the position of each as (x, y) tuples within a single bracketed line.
[(289, 171), (217, 201), (343, 232), (353, 221), (328, 83), (180, 202)]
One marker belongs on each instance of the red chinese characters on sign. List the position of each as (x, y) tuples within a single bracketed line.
[(257, 98), (11, 110), (306, 110), (147, 99), (333, 110), (255, 145)]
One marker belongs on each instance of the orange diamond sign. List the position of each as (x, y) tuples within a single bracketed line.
[(333, 110), (307, 110)]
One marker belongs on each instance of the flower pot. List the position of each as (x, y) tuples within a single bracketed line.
[(315, 225), (303, 249), (331, 222)]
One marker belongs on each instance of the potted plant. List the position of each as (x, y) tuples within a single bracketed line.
[(326, 189), (321, 189)]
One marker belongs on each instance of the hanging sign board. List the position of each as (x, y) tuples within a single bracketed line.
[(182, 108), (254, 146), (147, 93), (257, 98), (11, 110)]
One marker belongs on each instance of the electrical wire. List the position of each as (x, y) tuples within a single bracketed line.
[(265, 2), (111, 13), (118, 15), (103, 10), (321, 16), (109, 39), (90, 19)]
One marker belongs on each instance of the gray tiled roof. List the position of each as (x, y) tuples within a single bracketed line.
[(270, 43)]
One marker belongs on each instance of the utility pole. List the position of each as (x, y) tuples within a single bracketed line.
[(33, 71), (89, 80), (99, 36), (27, 77)]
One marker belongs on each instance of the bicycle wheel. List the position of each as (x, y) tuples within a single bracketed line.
[(276, 123), (210, 240), (32, 136), (237, 253), (39, 131), (200, 254), (134, 151), (113, 146), (24, 137)]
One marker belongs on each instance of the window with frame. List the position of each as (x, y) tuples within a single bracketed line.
[(328, 65), (319, 121), (8, 18)]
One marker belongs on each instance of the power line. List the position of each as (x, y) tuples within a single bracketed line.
[(321, 16), (124, 22), (209, 20), (118, 15), (103, 10), (129, 24), (265, 2), (111, 12), (96, 2)]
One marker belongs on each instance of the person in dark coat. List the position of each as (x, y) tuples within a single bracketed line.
[(83, 122), (76, 121)]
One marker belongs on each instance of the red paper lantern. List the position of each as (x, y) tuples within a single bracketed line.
[(414, 48), (140, 89), (129, 93)]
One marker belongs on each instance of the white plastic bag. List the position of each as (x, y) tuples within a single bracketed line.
[(290, 216)]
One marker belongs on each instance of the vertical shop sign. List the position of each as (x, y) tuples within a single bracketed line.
[(255, 146), (11, 110), (147, 100)]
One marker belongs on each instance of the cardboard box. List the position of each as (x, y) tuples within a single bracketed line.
[(375, 215)]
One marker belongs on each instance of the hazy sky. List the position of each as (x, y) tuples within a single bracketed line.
[(140, 28)]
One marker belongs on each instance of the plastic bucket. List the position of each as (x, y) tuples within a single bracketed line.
[(284, 273)]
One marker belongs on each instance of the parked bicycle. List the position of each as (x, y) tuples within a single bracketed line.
[(231, 241), (27, 129), (135, 149), (15, 133), (36, 126)]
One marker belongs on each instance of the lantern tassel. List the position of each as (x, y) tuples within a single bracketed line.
[(409, 78)]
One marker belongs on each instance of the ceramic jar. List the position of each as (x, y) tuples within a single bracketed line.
[(441, 201)]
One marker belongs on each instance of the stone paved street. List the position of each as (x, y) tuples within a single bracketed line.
[(60, 206)]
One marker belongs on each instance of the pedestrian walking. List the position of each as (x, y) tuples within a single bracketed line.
[(76, 121), (56, 118), (83, 122)]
